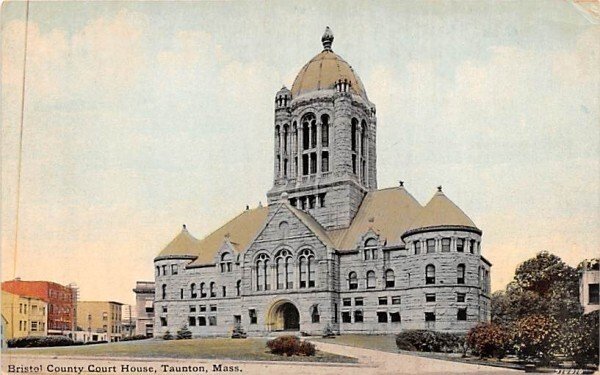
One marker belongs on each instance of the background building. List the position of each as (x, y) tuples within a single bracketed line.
[(589, 280), (61, 300), (144, 308), (128, 321), (24, 315), (100, 317)]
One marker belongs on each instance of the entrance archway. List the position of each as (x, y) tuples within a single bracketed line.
[(284, 316)]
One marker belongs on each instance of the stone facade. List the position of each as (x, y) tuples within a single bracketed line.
[(330, 250), (589, 279)]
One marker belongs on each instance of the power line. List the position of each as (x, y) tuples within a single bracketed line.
[(20, 156)]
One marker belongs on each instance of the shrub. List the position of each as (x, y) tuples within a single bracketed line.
[(488, 340), (328, 332), (536, 337), (39, 341), (167, 336), (184, 333), (290, 345), (429, 341), (134, 338), (578, 339), (238, 332)]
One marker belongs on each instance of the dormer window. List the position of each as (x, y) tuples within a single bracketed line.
[(370, 251), (226, 262)]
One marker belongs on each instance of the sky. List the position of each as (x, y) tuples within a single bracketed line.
[(142, 116)]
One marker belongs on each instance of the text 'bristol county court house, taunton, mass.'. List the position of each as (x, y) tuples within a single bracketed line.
[(329, 249)]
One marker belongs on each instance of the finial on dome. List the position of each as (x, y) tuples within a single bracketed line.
[(327, 39), (184, 227), (440, 188), (401, 183)]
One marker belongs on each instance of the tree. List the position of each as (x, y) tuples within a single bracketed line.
[(544, 272), (536, 337)]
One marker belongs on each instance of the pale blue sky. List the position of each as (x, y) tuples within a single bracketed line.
[(141, 116)]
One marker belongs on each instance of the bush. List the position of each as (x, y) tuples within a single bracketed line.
[(536, 337), (39, 341), (290, 345), (578, 339), (238, 332), (95, 342), (167, 336), (184, 333), (134, 338), (488, 340), (328, 332), (429, 341)]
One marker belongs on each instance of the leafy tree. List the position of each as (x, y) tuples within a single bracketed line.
[(545, 272), (489, 340), (536, 337)]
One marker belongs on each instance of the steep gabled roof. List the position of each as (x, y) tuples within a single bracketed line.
[(240, 231), (388, 212), (312, 224), (441, 211)]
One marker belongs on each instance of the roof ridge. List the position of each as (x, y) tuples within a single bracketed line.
[(230, 220)]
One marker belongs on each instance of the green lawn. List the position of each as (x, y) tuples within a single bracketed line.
[(251, 349), (385, 343)]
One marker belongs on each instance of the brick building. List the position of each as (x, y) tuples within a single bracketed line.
[(61, 300), (330, 249)]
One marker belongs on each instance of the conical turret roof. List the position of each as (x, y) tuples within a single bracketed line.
[(183, 244), (439, 212)]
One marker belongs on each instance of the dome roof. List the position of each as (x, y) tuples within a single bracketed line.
[(324, 70)]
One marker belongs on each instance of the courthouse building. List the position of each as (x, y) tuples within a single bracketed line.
[(330, 249)]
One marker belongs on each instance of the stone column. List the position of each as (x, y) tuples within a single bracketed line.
[(319, 147)]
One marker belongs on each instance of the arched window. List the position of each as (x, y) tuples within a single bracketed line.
[(430, 274), (157, 271), (315, 316), (283, 264), (460, 274), (309, 132), (363, 137), (238, 287), (262, 272), (202, 291), (226, 262), (352, 281), (164, 291), (306, 264), (325, 161), (370, 279), (213, 293), (370, 251), (325, 131), (390, 280), (193, 290), (353, 133), (285, 138), (277, 138)]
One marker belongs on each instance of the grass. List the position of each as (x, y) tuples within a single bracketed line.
[(251, 349), (385, 343)]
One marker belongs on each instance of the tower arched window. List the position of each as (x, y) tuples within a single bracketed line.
[(262, 272), (309, 132), (353, 127), (460, 274), (164, 291), (213, 292), (283, 265), (430, 274), (325, 161), (193, 291), (370, 279), (325, 131), (277, 138), (285, 138), (226, 262), (306, 264), (352, 281), (363, 137), (202, 291), (157, 271), (390, 280)]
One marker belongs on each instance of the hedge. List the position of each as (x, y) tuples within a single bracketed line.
[(430, 341), (41, 341)]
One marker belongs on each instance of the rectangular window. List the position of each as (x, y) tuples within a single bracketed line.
[(202, 308), (460, 245), (358, 316), (461, 314), (395, 317), (174, 269), (417, 247), (387, 255), (383, 300), (163, 322), (181, 293), (164, 309), (192, 321), (253, 317), (34, 326), (201, 320), (445, 245), (313, 163), (430, 317), (335, 312), (382, 317), (224, 291), (367, 254), (322, 200), (354, 164), (346, 318), (594, 294), (358, 301), (473, 246), (430, 297), (212, 320), (192, 308), (396, 300), (460, 297), (305, 164), (213, 307), (430, 246), (347, 302)]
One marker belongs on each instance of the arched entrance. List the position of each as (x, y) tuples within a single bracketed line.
[(284, 316)]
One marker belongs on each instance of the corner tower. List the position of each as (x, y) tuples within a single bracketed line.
[(325, 140)]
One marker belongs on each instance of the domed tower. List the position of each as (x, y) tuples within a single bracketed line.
[(325, 133), (447, 276)]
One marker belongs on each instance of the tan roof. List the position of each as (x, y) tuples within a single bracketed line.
[(387, 212), (441, 211), (240, 230), (321, 73), (312, 224)]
